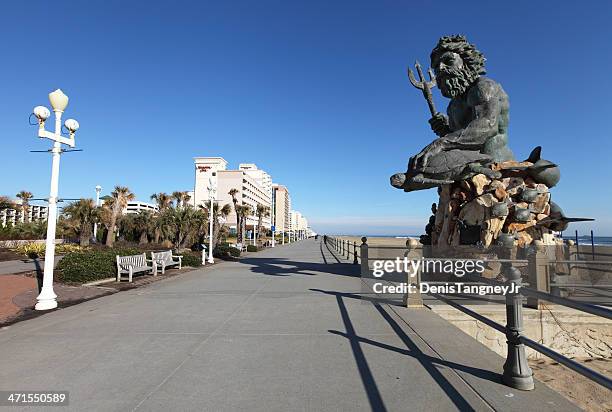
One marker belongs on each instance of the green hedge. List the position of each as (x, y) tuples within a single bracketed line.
[(91, 265), (251, 248), (224, 250), (192, 260)]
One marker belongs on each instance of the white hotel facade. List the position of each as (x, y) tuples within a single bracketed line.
[(253, 185), (13, 216)]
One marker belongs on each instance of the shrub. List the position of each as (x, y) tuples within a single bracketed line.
[(192, 260), (221, 250), (24, 231), (225, 250), (36, 250), (64, 248), (31, 250), (90, 265), (251, 248)]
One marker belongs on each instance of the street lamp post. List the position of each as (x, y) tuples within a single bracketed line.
[(211, 195), (98, 190), (47, 297), (272, 218), (255, 233)]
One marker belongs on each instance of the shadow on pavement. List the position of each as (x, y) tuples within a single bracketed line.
[(429, 363), (285, 267), (39, 274)]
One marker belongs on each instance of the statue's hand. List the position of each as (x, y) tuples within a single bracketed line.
[(439, 124)]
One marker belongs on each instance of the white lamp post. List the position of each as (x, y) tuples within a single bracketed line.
[(211, 196), (59, 101), (98, 191), (272, 218)]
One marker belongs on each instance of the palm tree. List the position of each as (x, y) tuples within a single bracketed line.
[(81, 216), (105, 212), (25, 197), (262, 211), (244, 211), (200, 225), (164, 201), (219, 212), (233, 193), (6, 203), (143, 223), (121, 195), (181, 198), (181, 224)]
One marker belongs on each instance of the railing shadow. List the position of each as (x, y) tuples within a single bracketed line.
[(429, 363)]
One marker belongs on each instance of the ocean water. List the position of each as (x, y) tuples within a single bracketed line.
[(598, 240)]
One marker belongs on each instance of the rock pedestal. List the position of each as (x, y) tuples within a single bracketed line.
[(483, 211)]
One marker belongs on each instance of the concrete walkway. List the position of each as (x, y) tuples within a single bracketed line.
[(281, 330), (10, 267)]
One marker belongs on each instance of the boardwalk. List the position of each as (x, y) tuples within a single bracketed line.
[(281, 330)]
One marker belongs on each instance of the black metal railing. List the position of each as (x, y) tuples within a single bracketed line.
[(517, 373)]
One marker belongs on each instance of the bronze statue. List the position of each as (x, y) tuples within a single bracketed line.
[(473, 133), (485, 196)]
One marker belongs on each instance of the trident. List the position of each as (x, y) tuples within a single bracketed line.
[(423, 85)]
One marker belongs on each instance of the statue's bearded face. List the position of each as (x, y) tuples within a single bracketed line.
[(453, 77)]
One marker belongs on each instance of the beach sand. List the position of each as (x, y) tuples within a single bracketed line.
[(377, 241)]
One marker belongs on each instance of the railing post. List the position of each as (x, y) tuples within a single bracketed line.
[(348, 249), (355, 253), (365, 268), (517, 373), (413, 299), (538, 275)]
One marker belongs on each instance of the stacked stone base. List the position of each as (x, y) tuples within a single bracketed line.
[(482, 211)]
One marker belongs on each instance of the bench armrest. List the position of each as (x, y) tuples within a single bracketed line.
[(177, 256)]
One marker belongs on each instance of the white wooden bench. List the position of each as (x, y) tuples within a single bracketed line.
[(128, 265), (166, 259)]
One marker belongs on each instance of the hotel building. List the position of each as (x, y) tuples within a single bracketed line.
[(15, 215), (282, 208), (299, 223), (253, 185)]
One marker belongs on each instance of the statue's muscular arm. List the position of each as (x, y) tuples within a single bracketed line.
[(483, 100)]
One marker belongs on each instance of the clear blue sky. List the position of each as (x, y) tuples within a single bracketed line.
[(314, 92)]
